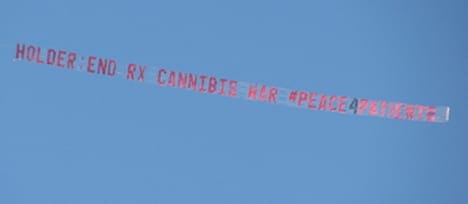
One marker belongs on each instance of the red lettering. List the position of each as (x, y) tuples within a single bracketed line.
[(272, 95), (60, 58), (182, 80), (192, 82), (292, 96), (397, 112), (373, 108), (232, 92), (302, 98), (383, 110), (311, 101), (38, 56), (391, 110), (51, 56), (341, 104), (252, 94), (430, 114), (30, 53), (363, 104), (112, 68), (221, 91), (102, 66), (91, 64), (160, 73), (20, 51), (131, 71), (71, 60), (323, 102), (420, 112), (263, 93), (212, 85), (141, 75), (202, 85), (410, 112), (330, 103), (172, 79)]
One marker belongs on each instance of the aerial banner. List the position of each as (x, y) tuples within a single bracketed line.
[(207, 84)]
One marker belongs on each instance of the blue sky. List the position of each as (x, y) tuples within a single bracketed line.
[(72, 137)]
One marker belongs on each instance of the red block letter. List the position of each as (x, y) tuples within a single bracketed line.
[(252, 92), (172, 79), (273, 94), (430, 114), (182, 80), (383, 108), (30, 53), (420, 112), (38, 56), (102, 66), (302, 98), (232, 88), (310, 103), (60, 58), (141, 75), (363, 104), (91, 64), (341, 104), (131, 71), (221, 91), (373, 108), (398, 110), (51, 56), (212, 85), (71, 60), (330, 103), (112, 68), (20, 51), (160, 81), (202, 85), (409, 112), (192, 82), (323, 102)]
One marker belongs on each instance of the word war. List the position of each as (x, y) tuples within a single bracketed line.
[(206, 84)]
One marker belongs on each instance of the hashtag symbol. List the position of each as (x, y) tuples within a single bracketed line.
[(293, 96)]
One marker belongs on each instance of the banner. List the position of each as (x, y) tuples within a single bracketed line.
[(207, 84)]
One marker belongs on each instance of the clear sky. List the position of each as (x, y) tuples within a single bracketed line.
[(71, 137)]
